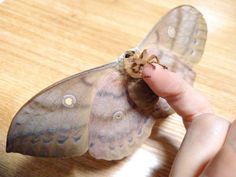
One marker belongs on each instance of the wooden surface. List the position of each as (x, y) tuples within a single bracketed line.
[(44, 41)]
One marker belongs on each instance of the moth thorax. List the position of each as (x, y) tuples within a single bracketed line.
[(142, 96), (134, 62)]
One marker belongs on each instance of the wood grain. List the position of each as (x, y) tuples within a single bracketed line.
[(44, 41)]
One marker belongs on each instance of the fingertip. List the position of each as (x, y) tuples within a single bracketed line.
[(186, 101), (149, 71), (160, 80)]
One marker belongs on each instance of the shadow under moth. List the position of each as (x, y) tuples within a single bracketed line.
[(109, 111)]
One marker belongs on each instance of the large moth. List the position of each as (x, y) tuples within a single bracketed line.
[(109, 111)]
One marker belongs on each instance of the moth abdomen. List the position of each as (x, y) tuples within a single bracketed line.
[(142, 96)]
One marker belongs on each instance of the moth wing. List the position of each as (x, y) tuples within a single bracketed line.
[(116, 127), (54, 123), (183, 31)]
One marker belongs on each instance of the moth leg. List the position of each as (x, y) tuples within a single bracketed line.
[(163, 66), (153, 59), (144, 53)]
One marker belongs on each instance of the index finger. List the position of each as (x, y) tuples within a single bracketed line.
[(185, 100), (206, 133)]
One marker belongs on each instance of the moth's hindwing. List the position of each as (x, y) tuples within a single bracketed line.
[(116, 126)]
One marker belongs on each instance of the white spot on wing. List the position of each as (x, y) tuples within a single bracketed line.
[(69, 101), (118, 115), (171, 32)]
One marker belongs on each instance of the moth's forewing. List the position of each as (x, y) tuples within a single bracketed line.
[(54, 123)]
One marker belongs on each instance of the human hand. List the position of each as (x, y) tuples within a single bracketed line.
[(209, 146)]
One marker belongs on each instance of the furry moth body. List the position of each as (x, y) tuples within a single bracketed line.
[(109, 111)]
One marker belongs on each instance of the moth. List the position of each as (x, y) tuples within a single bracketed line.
[(109, 111)]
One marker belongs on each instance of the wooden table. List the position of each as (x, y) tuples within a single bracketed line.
[(44, 41)]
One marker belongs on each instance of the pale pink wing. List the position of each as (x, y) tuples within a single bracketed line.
[(182, 32), (91, 110), (55, 122), (116, 127)]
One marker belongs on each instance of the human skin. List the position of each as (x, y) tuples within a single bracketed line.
[(209, 146)]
